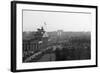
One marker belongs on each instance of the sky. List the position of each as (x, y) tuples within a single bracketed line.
[(53, 21)]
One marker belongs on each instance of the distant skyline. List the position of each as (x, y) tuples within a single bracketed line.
[(53, 21)]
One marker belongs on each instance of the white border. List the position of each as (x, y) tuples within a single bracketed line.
[(38, 65)]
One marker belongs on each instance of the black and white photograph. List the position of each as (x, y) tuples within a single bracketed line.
[(47, 36), (56, 36)]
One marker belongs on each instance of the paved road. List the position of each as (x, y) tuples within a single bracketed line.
[(44, 55), (47, 57)]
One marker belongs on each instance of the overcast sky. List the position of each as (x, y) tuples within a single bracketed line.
[(56, 21)]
